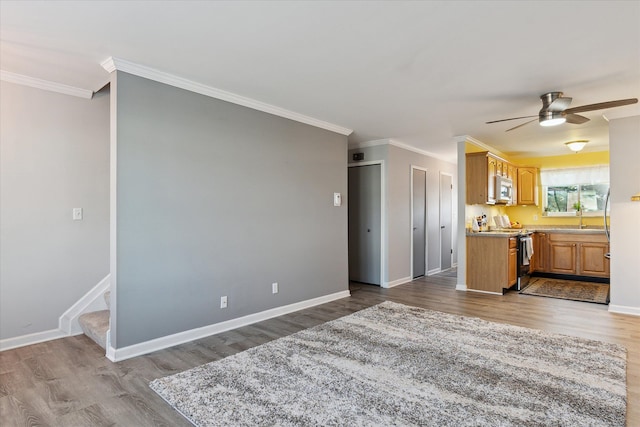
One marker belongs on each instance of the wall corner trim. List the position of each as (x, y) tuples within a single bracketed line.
[(112, 64), (397, 282), (461, 287), (623, 309), (119, 354), (20, 79)]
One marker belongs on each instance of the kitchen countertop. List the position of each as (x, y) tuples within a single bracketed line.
[(517, 232)]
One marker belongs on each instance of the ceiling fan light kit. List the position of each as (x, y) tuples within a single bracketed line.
[(576, 145), (551, 118), (555, 110)]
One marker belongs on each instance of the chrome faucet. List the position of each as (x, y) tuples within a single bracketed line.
[(580, 224)]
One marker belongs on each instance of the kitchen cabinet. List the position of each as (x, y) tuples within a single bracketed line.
[(513, 261), (481, 171), (491, 262), (527, 186), (572, 253), (540, 259), (592, 260), (512, 174), (563, 257)]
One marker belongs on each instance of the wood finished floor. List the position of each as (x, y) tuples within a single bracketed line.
[(69, 382)]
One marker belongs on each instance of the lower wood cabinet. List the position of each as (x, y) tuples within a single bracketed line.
[(571, 253), (491, 263), (563, 258)]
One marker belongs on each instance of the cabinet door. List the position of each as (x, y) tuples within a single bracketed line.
[(492, 170), (562, 258), (513, 262), (592, 260), (540, 252), (527, 186), (512, 174)]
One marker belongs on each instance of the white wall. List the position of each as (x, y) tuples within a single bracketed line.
[(624, 148), (54, 156)]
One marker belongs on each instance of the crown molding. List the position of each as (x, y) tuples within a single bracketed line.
[(477, 142), (366, 144), (419, 151), (112, 64), (378, 142), (20, 79)]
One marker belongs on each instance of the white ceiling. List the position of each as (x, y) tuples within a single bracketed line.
[(419, 73)]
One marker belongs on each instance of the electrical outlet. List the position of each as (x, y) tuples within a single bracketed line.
[(535, 217), (223, 302), (274, 287)]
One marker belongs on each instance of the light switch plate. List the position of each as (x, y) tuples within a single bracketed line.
[(337, 199), (77, 214)]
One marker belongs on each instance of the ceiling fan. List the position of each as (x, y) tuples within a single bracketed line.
[(555, 110)]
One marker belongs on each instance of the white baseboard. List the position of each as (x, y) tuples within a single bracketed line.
[(461, 287), (38, 337), (433, 271), (482, 292), (397, 282), (119, 354), (91, 301), (622, 309)]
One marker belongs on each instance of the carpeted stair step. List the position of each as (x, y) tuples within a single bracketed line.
[(107, 299), (95, 326)]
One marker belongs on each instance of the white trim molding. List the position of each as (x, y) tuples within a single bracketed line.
[(23, 340), (397, 282), (479, 291), (461, 287), (20, 79), (91, 301), (119, 354), (623, 309), (112, 64)]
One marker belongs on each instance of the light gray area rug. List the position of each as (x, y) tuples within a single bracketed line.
[(393, 364)]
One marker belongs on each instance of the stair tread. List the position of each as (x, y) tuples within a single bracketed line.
[(95, 325)]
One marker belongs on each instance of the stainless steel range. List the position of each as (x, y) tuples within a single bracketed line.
[(525, 251)]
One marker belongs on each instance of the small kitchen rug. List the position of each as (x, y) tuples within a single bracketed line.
[(568, 289)]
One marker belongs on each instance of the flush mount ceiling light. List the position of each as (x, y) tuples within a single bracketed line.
[(576, 145), (551, 118)]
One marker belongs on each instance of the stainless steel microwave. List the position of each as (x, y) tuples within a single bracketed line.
[(504, 189)]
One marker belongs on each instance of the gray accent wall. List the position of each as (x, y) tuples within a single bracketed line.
[(216, 199), (54, 156), (398, 162)]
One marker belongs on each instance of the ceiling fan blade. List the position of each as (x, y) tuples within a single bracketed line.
[(601, 105), (525, 123), (577, 119), (513, 118), (559, 104)]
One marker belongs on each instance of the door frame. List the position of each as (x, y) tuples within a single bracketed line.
[(426, 222), (383, 216), (440, 218)]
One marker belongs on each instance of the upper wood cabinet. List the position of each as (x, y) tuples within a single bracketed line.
[(527, 186), (482, 169)]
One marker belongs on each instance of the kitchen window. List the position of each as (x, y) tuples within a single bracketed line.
[(565, 191)]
